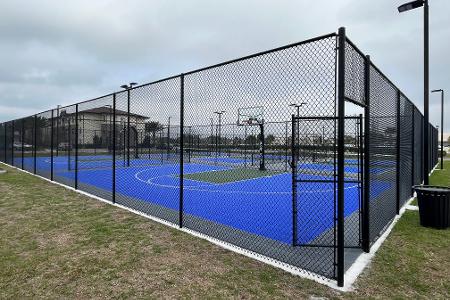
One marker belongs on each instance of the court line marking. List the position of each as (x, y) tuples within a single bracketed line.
[(150, 181)]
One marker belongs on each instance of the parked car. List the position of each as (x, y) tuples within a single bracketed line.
[(64, 146), (17, 146), (26, 147)]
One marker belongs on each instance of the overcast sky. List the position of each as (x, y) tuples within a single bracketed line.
[(61, 52)]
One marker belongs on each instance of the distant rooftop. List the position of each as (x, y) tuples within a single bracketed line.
[(104, 110)]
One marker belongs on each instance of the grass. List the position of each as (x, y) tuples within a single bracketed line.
[(55, 243), (439, 177)]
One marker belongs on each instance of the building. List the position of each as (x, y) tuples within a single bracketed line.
[(95, 126)]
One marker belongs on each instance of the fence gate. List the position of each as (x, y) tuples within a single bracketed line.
[(314, 182)]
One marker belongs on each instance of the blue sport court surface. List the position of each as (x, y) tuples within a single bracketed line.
[(260, 206)]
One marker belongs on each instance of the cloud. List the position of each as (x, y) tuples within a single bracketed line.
[(60, 52)]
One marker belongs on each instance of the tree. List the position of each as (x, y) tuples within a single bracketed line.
[(153, 127), (251, 139), (270, 139), (97, 141), (448, 140)]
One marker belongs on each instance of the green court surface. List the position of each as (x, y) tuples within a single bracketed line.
[(231, 175)]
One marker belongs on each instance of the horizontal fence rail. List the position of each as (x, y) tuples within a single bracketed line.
[(296, 154)]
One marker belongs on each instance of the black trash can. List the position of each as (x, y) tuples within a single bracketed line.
[(434, 206)]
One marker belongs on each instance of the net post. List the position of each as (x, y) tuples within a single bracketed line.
[(51, 147), (113, 124), (180, 211), (294, 183), (35, 143), (366, 175), (397, 155), (76, 146)]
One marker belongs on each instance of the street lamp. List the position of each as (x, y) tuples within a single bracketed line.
[(442, 125), (403, 8), (128, 88), (298, 107), (219, 113)]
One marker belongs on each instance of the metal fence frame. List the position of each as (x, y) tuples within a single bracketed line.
[(357, 80)]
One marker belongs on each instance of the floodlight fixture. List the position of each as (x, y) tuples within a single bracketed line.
[(128, 86), (410, 5), (298, 105)]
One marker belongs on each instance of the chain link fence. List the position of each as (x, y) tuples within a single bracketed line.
[(301, 155)]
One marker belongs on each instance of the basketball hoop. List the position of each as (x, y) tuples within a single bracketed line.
[(250, 116)]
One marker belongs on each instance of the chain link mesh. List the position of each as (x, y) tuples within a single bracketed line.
[(244, 152), (406, 149), (382, 152)]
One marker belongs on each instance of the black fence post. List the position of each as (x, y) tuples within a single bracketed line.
[(413, 177), (5, 140), (361, 172), (22, 137), (76, 146), (366, 176), (57, 130), (35, 143), (397, 155), (69, 144), (294, 181), (262, 149), (180, 217), (114, 150), (341, 156), (287, 147), (12, 142), (168, 140), (128, 127), (51, 147)]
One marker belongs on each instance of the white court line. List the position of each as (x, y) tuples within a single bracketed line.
[(150, 181)]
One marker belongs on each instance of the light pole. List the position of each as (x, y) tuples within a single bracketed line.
[(219, 113), (442, 125), (406, 7), (57, 129), (168, 138), (128, 88), (297, 106)]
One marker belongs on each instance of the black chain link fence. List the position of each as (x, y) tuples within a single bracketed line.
[(247, 152)]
